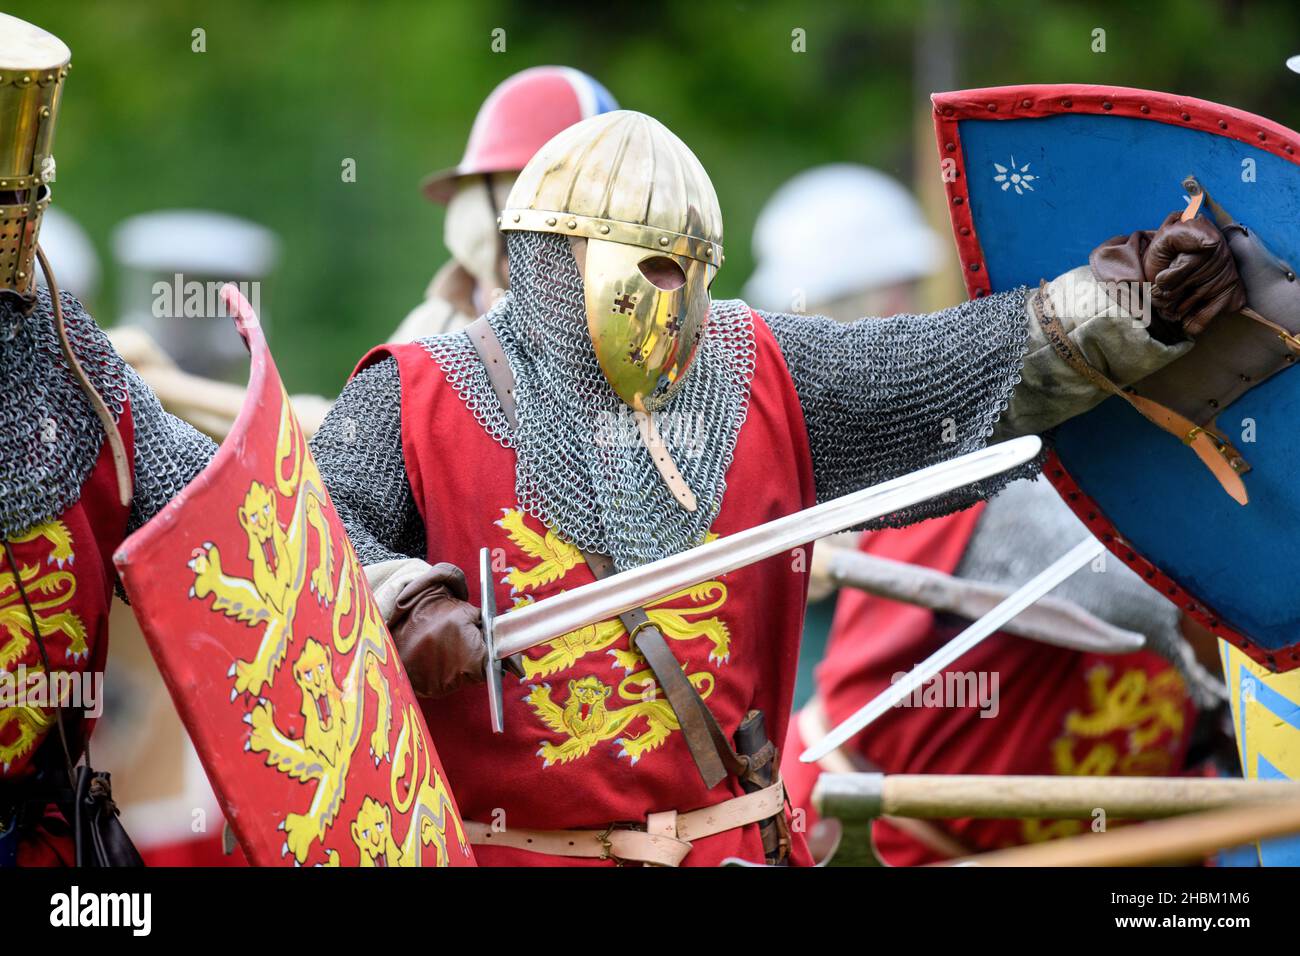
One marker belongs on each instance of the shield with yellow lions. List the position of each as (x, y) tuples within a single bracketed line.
[(256, 608)]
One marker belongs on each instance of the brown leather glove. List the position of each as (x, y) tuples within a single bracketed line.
[(1191, 270), (437, 632)]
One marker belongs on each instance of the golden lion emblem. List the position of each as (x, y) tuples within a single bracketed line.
[(586, 718), (280, 559), (51, 589), (372, 830), (332, 712)]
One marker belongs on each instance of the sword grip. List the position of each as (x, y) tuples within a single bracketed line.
[(492, 668)]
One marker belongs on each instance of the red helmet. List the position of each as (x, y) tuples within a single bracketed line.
[(518, 118)]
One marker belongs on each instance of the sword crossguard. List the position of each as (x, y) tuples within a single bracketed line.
[(496, 704)]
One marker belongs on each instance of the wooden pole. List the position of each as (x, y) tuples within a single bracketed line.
[(1188, 838), (862, 796)]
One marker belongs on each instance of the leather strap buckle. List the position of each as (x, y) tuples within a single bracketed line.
[(607, 846), (1219, 442)]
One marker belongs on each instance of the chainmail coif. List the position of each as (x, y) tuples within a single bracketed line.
[(580, 466), (49, 435), (50, 438)]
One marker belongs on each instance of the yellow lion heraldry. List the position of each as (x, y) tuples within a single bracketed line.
[(586, 717), (331, 732), (586, 720), (372, 830), (280, 557), (332, 708), (52, 590)]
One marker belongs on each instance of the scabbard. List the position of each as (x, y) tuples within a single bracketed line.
[(752, 743)]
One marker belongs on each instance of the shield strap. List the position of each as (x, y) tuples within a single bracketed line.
[(712, 752), (1216, 452)]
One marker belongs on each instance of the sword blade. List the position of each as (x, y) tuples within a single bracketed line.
[(545, 620), (990, 623)]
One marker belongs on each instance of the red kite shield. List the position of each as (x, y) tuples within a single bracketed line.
[(258, 614)]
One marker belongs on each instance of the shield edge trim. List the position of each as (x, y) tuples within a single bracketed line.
[(1034, 101)]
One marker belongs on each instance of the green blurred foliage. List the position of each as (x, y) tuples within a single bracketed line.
[(260, 123)]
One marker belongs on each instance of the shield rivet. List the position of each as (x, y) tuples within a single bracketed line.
[(1223, 124), (1187, 117), (1067, 103), (950, 147), (957, 200), (1026, 103), (1262, 137), (974, 267), (993, 107), (1107, 106), (1144, 108)]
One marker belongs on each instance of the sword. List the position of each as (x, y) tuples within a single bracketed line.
[(993, 621), (533, 624)]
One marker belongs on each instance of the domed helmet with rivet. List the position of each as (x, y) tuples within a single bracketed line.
[(649, 214)]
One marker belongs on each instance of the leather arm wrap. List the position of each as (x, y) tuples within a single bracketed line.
[(1114, 340)]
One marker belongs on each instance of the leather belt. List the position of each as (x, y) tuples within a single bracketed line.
[(664, 840)]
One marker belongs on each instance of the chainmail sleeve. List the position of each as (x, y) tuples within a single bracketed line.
[(168, 452), (883, 397), (359, 451)]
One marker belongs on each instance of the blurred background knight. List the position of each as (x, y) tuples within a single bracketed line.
[(517, 118)]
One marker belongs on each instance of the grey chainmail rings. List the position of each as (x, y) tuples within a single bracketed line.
[(359, 450), (49, 435), (169, 453), (579, 469), (883, 397)]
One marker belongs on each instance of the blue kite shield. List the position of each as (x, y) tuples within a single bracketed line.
[(1036, 176)]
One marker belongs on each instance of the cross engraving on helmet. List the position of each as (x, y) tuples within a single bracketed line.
[(624, 303)]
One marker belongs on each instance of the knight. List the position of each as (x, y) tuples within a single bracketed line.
[(514, 122), (607, 412), (87, 455)]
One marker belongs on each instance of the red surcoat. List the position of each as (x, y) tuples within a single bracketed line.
[(67, 571), (587, 742)]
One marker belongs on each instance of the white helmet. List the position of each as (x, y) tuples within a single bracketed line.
[(835, 231)]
